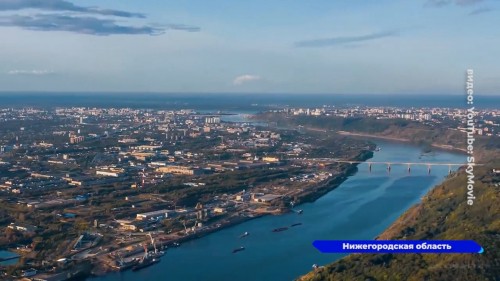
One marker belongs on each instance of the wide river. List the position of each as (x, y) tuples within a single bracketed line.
[(360, 208)]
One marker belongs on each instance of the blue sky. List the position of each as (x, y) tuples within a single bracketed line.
[(294, 46)]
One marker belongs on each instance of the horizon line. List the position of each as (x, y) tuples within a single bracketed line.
[(4, 92)]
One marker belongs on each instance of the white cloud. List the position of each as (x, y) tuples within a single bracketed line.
[(36, 72), (242, 79)]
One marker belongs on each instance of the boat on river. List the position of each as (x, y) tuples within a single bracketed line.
[(145, 263), (279, 229), (238, 249)]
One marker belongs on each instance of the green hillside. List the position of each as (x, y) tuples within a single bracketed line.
[(443, 214), (415, 132)]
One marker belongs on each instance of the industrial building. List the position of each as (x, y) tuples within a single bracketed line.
[(179, 170), (156, 215)]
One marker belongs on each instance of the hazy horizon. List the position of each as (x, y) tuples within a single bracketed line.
[(238, 101), (238, 93)]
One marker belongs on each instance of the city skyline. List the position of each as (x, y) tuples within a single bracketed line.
[(258, 47)]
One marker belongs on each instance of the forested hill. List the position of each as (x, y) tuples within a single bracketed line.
[(443, 214), (425, 135)]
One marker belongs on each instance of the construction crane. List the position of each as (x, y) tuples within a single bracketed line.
[(185, 228), (153, 243), (145, 257)]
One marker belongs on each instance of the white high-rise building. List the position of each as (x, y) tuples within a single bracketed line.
[(212, 120)]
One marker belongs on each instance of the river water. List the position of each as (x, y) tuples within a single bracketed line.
[(7, 254), (360, 208)]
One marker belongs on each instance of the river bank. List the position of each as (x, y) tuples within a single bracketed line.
[(334, 182), (309, 195), (440, 146), (443, 214), (361, 207)]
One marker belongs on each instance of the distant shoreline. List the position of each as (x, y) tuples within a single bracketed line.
[(441, 146), (229, 101)]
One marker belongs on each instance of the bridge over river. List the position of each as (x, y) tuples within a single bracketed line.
[(387, 164)]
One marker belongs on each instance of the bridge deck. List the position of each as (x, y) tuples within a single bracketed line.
[(385, 163)]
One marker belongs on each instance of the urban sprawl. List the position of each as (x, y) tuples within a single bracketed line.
[(108, 189)]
